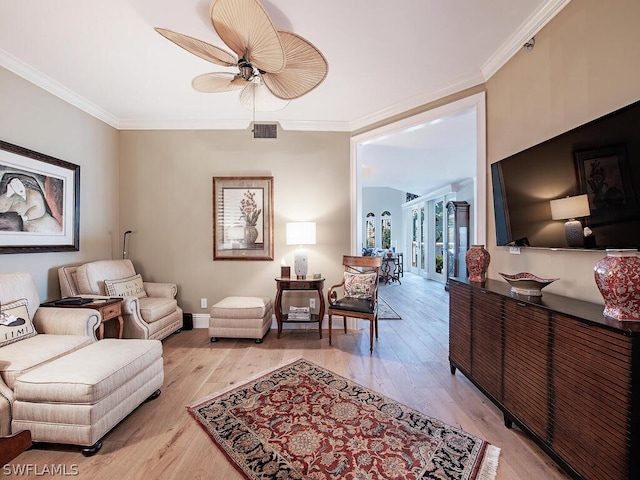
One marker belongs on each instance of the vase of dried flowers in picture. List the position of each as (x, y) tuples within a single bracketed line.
[(618, 278), (250, 213), (477, 260)]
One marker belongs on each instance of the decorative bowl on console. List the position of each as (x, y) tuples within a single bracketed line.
[(527, 283)]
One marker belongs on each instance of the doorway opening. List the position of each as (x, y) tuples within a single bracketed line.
[(439, 153)]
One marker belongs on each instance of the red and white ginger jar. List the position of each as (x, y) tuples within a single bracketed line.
[(618, 278), (477, 259)]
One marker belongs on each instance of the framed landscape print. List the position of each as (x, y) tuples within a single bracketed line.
[(39, 202), (243, 218)]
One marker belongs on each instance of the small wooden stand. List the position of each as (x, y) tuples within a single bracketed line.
[(13, 445)]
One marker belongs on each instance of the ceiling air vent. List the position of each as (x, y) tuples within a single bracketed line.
[(265, 130)]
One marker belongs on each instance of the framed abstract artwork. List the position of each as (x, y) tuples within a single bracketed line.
[(39, 202), (243, 218)]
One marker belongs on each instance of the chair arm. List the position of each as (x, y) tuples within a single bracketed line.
[(161, 290), (66, 321), (130, 305), (332, 295), (134, 325)]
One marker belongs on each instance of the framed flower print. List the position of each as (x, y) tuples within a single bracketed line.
[(243, 218)]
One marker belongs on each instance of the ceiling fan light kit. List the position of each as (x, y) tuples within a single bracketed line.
[(270, 63)]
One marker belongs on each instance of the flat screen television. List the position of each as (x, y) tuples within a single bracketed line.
[(600, 159)]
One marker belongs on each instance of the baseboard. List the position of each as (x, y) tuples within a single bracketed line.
[(201, 320)]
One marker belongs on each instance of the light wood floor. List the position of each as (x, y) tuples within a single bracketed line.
[(160, 440)]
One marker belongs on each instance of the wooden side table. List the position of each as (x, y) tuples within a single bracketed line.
[(109, 309), (390, 269), (286, 284)]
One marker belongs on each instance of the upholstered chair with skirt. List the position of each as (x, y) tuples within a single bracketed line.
[(149, 309)]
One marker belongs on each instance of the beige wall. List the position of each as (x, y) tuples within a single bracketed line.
[(585, 63), (159, 184), (166, 200), (39, 121)]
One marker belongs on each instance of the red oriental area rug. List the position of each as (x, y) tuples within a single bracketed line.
[(301, 421)]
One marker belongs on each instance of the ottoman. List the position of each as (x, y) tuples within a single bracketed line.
[(76, 399), (241, 317)]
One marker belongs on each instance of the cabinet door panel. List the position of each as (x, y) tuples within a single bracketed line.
[(486, 331), (592, 398), (460, 325), (526, 365)]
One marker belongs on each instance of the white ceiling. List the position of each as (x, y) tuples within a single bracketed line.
[(384, 57), (423, 158)]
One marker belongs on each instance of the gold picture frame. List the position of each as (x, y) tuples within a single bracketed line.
[(243, 218)]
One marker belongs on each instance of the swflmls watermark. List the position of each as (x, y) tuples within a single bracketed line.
[(32, 469)]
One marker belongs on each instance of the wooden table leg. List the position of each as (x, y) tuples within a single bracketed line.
[(120, 326), (278, 311), (101, 330)]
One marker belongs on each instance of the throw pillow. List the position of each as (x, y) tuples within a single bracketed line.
[(359, 285), (126, 287), (15, 323)]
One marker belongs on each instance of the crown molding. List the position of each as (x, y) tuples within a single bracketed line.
[(315, 126), (531, 26), (237, 124), (30, 74), (417, 101), (183, 124)]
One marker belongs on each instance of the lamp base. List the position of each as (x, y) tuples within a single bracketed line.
[(300, 263), (574, 233)]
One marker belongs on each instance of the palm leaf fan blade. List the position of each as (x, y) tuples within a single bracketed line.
[(245, 27), (217, 82), (306, 69), (199, 48)]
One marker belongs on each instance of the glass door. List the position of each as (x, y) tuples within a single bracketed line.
[(418, 227), (437, 248)]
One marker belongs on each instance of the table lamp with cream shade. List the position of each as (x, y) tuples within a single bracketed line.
[(571, 208), (301, 233)]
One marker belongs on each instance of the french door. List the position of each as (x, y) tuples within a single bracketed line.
[(418, 232), (427, 239)]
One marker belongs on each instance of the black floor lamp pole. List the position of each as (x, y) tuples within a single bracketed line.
[(124, 243)]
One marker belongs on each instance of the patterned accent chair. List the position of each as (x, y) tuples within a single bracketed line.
[(360, 287), (149, 309)]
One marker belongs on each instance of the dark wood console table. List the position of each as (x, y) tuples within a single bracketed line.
[(285, 284), (557, 368)]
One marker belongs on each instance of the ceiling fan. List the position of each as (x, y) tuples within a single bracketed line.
[(285, 63)]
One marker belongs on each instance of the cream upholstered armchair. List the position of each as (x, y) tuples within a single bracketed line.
[(149, 309)]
